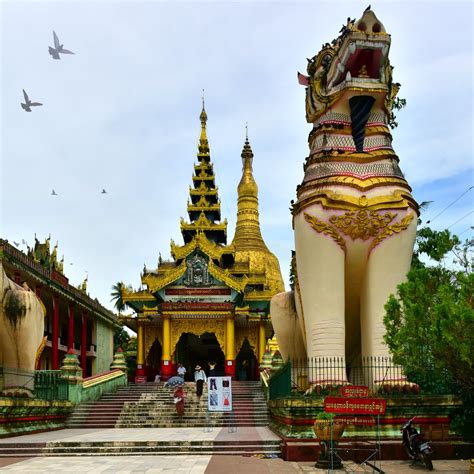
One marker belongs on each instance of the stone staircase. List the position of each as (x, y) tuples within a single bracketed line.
[(268, 448), (151, 406)]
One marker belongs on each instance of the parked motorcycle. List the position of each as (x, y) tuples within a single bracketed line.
[(416, 446)]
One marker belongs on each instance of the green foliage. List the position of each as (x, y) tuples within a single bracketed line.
[(293, 270), (116, 294), (430, 322), (323, 416), (398, 104), (435, 244), (121, 339)]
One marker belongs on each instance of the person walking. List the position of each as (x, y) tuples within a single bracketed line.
[(179, 396), (199, 378)]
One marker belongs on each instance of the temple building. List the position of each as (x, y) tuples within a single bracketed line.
[(211, 302), (74, 321)]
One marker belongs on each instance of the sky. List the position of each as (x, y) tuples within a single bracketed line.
[(123, 114)]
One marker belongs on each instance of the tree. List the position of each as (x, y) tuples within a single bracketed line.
[(121, 339), (117, 297), (430, 322)]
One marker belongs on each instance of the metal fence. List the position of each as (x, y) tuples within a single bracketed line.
[(325, 375), (42, 384), (50, 386)]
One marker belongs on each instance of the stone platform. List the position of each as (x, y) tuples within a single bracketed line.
[(144, 441)]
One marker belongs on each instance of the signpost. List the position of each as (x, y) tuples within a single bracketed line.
[(353, 402)]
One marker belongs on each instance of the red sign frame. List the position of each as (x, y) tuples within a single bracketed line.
[(355, 406)]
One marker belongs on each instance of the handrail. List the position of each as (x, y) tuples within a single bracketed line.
[(101, 378)]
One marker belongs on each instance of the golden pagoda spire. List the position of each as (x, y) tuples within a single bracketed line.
[(247, 229), (204, 207)]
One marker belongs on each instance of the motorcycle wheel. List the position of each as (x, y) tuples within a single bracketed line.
[(409, 452), (427, 461)]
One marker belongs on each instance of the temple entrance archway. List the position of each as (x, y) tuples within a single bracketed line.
[(192, 350), (246, 363), (153, 360)]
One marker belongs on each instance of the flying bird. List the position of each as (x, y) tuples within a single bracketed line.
[(53, 193), (58, 48), (16, 243), (103, 191), (28, 104)]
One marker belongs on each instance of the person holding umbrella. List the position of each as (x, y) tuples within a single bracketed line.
[(199, 378)]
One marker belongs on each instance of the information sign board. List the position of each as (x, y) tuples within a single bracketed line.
[(219, 393), (355, 406)]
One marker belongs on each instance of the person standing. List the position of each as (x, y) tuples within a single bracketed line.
[(181, 371), (199, 378), (212, 369)]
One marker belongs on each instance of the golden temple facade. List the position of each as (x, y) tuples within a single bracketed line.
[(211, 302)]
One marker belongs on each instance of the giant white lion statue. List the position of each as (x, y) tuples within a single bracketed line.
[(355, 218)]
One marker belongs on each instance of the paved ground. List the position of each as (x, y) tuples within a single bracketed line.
[(192, 464), (204, 465)]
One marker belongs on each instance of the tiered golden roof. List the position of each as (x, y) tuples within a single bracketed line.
[(204, 207), (246, 265)]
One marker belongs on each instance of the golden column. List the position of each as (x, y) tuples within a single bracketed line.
[(140, 376), (166, 366), (261, 340), (229, 346)]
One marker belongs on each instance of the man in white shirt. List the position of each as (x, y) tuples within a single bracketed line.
[(199, 378), (181, 370)]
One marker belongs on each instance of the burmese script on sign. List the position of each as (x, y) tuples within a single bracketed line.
[(355, 406), (355, 391)]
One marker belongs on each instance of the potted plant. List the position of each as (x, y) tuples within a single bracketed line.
[(328, 430), (322, 427)]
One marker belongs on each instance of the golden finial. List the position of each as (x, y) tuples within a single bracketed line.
[(203, 115), (246, 131), (203, 143)]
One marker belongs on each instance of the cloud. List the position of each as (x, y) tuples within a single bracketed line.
[(123, 114)]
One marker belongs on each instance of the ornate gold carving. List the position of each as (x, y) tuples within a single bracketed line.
[(157, 282), (392, 229), (200, 240), (362, 224), (326, 229), (151, 334), (203, 223), (39, 351), (332, 200), (197, 327), (246, 332), (361, 184), (225, 276)]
